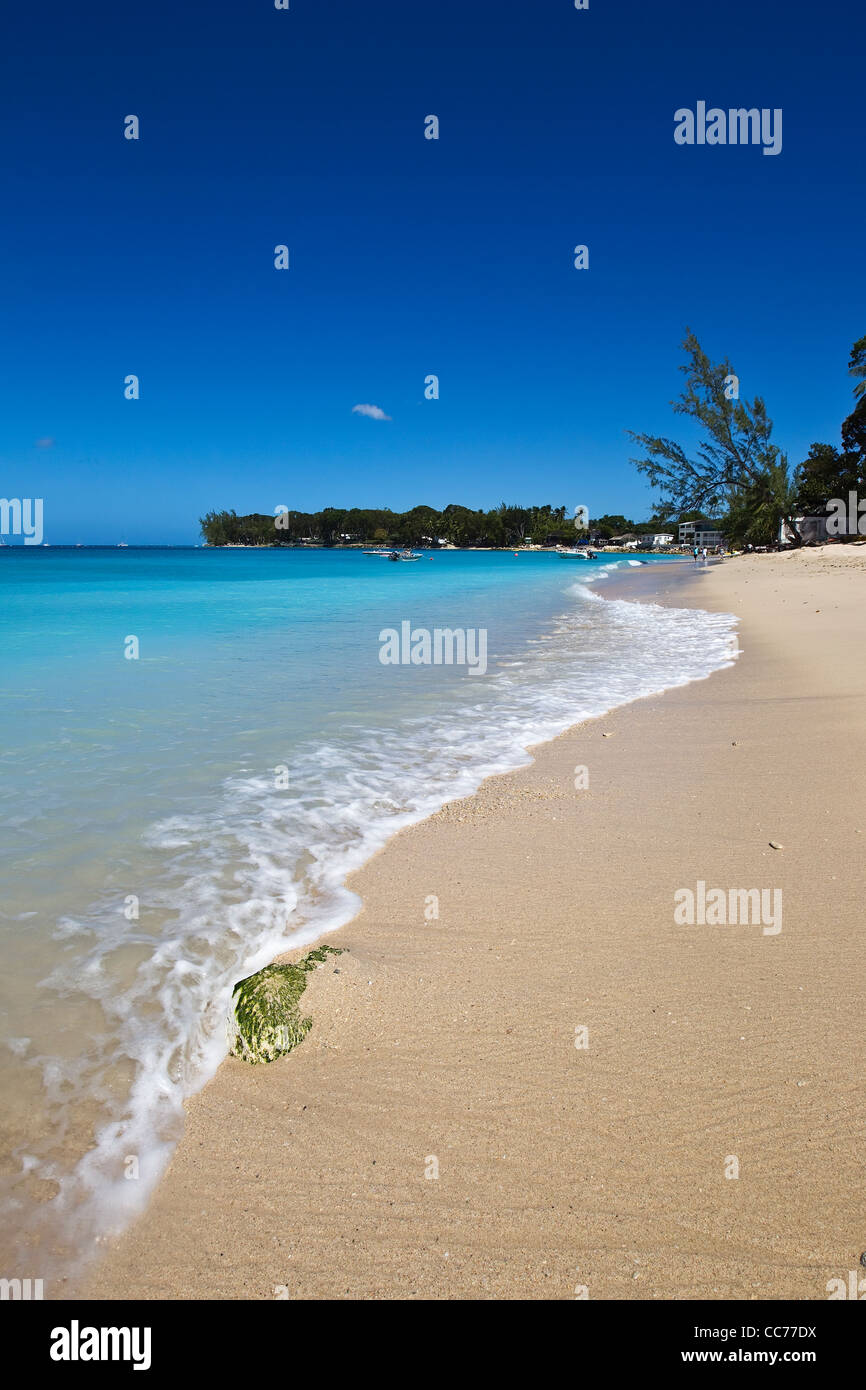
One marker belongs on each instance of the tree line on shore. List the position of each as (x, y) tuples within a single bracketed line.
[(736, 478), (504, 526)]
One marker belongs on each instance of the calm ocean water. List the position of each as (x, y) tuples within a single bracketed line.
[(171, 823)]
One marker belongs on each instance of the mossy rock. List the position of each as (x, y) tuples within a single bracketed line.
[(265, 1021)]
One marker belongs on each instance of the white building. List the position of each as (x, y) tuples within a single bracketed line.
[(700, 533), (811, 528), (661, 538)]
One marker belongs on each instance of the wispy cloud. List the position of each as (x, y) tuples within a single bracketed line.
[(46, 443), (373, 412)]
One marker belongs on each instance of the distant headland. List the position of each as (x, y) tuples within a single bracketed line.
[(504, 527)]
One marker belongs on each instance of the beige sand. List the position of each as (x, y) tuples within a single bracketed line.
[(455, 1039)]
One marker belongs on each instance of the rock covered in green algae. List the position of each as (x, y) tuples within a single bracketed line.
[(265, 1021)]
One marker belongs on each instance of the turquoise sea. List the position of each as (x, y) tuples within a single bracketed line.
[(172, 822)]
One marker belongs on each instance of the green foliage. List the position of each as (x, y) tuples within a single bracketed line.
[(608, 526), (826, 473), (857, 366), (736, 464), (504, 526), (854, 428), (854, 431), (265, 1022), (735, 449), (757, 508)]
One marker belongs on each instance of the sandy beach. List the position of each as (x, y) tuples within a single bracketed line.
[(444, 1133)]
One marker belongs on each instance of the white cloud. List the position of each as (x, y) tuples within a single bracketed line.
[(373, 412)]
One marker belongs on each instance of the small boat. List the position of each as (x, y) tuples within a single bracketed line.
[(571, 553), (393, 554)]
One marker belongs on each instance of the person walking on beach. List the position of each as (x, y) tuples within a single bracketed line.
[(695, 553), (704, 554)]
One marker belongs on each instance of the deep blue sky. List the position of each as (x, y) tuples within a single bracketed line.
[(409, 256)]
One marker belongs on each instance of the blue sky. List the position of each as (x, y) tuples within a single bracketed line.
[(408, 256)]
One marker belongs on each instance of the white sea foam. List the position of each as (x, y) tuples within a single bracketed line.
[(261, 870)]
